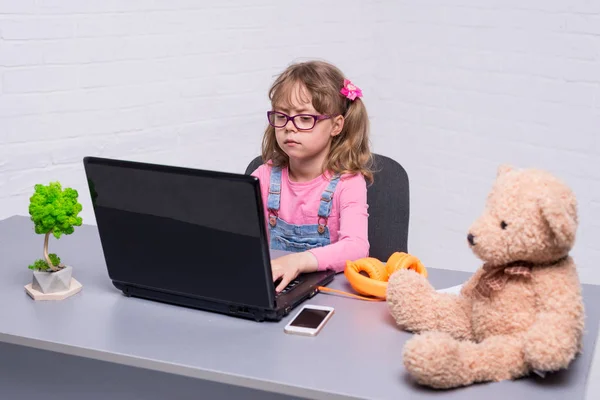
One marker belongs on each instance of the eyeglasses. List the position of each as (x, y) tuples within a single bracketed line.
[(302, 122)]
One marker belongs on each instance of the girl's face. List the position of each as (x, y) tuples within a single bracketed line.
[(304, 145)]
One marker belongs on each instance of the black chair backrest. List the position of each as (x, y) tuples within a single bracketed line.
[(389, 206), (257, 162)]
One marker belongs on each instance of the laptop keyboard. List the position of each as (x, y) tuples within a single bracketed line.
[(289, 287)]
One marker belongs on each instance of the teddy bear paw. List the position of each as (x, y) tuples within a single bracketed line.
[(433, 359), (409, 299), (543, 357)]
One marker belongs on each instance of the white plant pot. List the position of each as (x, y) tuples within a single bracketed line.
[(51, 282)]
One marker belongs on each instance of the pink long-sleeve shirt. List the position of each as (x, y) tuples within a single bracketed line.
[(348, 221)]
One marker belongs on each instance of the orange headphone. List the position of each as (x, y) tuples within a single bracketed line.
[(377, 274)]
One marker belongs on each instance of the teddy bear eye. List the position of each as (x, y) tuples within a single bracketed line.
[(503, 225)]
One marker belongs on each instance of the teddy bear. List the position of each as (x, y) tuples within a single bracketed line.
[(521, 312)]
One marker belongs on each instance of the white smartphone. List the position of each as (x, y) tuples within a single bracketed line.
[(309, 320)]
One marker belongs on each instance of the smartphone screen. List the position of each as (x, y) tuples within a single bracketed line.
[(309, 318)]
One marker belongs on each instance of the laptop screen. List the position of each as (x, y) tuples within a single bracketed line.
[(181, 230)]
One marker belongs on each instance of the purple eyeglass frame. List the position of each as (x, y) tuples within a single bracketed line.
[(316, 118)]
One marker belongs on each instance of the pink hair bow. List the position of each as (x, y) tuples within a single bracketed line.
[(350, 90)]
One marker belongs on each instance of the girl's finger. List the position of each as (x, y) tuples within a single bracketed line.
[(285, 280)]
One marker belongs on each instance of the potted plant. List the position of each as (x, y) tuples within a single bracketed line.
[(54, 211)]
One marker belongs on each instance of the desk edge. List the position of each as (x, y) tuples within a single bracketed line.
[(176, 369)]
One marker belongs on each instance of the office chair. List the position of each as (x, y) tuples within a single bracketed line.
[(389, 206)]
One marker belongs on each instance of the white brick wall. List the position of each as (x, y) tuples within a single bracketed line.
[(454, 88), (469, 84), (174, 81)]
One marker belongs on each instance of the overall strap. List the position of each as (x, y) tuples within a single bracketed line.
[(326, 197), (274, 194), (325, 204)]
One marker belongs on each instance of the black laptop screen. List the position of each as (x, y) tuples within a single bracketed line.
[(184, 231)]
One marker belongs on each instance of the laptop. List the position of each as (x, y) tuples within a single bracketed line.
[(190, 237)]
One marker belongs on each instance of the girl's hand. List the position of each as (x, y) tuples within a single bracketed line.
[(290, 266)]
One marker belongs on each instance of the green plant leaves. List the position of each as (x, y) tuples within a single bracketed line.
[(42, 265), (54, 209)]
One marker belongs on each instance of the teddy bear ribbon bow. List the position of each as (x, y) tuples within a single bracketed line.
[(495, 277)]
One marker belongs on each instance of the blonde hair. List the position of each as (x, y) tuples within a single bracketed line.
[(349, 152)]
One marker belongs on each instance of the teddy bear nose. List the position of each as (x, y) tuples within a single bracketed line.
[(471, 239)]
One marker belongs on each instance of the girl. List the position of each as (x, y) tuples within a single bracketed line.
[(317, 164)]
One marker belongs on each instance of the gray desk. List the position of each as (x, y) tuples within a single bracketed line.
[(100, 336)]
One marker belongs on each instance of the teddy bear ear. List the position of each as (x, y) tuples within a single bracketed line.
[(504, 168), (562, 223)]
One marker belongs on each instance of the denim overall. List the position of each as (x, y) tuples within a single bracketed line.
[(297, 238)]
